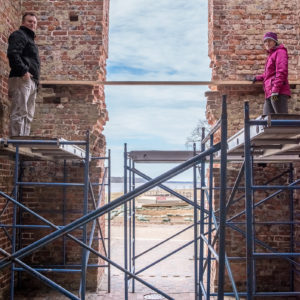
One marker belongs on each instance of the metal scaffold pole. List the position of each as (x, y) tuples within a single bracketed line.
[(223, 188), (196, 283), (125, 225), (249, 205), (85, 211), (14, 223), (202, 222), (109, 223)]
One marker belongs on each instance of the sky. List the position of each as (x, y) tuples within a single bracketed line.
[(155, 40)]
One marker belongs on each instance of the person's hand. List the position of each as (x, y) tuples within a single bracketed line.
[(27, 76), (274, 97), (253, 79)]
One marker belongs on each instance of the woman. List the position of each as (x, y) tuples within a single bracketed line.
[(275, 77)]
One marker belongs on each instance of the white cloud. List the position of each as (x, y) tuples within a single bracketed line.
[(155, 40), (166, 38)]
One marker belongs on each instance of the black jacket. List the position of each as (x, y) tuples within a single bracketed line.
[(23, 54)]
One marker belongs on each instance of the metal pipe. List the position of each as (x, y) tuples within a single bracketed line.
[(249, 204), (125, 225), (275, 122), (228, 265), (109, 223), (41, 277), (263, 200), (133, 231), (97, 205), (210, 209), (277, 187), (64, 211), (223, 179), (95, 222), (14, 223), (165, 256), (40, 142), (164, 187), (195, 229), (51, 183), (85, 246), (85, 211), (262, 294), (202, 207), (212, 132), (202, 288), (112, 205), (19, 286), (164, 241), (130, 220), (275, 255), (292, 228), (51, 270)]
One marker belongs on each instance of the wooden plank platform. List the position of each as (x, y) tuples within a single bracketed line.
[(269, 143), (29, 150), (176, 83), (157, 156)]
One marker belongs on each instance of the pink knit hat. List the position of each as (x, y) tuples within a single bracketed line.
[(272, 36)]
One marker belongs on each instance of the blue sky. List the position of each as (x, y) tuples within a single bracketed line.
[(155, 40)]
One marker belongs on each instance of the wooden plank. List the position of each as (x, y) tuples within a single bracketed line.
[(42, 151), (285, 149), (275, 141), (126, 82), (153, 156)]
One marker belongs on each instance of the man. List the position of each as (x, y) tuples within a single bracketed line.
[(24, 75)]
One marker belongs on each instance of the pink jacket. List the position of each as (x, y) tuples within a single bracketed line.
[(275, 77)]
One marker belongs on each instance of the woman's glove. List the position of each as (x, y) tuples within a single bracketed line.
[(274, 97)]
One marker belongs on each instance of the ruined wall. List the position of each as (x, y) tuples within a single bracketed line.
[(72, 37), (10, 16), (236, 28), (10, 13)]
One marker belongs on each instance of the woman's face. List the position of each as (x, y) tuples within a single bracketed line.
[(269, 44)]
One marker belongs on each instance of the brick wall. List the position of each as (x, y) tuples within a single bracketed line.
[(72, 37), (236, 52), (10, 13), (10, 17)]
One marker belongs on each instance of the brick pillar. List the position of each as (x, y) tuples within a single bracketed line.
[(72, 37), (236, 52), (10, 19)]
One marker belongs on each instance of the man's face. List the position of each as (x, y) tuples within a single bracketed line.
[(30, 22)]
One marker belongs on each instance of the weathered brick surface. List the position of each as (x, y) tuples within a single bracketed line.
[(72, 37), (10, 12), (236, 52), (10, 16), (235, 35)]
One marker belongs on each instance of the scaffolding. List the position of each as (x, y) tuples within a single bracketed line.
[(33, 149), (268, 139), (259, 141)]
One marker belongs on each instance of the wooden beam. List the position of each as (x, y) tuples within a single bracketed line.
[(175, 83)]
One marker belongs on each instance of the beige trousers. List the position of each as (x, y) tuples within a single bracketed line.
[(23, 94)]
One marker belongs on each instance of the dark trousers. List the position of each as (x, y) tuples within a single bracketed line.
[(279, 106)]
